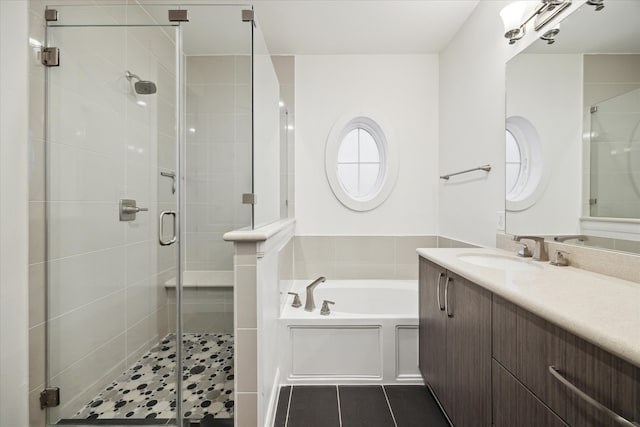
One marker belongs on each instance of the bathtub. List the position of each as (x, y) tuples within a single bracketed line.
[(370, 337)]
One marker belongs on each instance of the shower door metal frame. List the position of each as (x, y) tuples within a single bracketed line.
[(50, 395)]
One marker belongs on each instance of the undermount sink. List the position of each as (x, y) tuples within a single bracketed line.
[(499, 262)]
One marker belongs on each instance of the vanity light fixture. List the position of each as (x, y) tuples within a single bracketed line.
[(598, 4), (544, 12), (550, 36)]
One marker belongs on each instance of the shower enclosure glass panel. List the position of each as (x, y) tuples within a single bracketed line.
[(218, 169), (267, 149), (111, 132), (149, 150), (615, 157)]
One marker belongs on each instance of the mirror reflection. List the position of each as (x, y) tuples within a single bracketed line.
[(573, 131)]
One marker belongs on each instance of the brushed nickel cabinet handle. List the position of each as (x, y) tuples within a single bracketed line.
[(440, 306), (590, 400), (446, 298)]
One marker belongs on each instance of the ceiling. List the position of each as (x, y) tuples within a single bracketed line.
[(315, 27)]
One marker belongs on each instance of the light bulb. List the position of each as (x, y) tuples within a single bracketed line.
[(512, 14)]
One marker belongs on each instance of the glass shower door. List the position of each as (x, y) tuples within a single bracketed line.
[(111, 162), (615, 157)]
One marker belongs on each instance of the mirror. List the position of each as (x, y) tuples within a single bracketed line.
[(573, 131)]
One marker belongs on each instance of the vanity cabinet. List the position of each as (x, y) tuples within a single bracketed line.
[(526, 346), (455, 344), (488, 362)]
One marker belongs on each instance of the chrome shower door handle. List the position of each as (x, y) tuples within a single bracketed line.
[(174, 238)]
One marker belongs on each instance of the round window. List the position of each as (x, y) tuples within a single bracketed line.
[(513, 162), (523, 164), (359, 168)]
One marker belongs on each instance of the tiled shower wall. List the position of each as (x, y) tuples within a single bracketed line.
[(218, 157), (106, 301)]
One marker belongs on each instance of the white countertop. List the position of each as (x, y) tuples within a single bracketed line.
[(601, 309)]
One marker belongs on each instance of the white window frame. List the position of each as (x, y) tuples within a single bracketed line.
[(388, 161), (533, 171)]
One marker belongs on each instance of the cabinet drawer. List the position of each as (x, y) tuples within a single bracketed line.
[(526, 346), (514, 405), (609, 380)]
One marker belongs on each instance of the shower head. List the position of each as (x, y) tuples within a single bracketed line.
[(142, 87)]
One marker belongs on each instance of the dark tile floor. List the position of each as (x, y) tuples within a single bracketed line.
[(358, 406)]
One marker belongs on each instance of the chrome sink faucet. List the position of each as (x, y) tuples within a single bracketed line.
[(309, 304), (539, 254)]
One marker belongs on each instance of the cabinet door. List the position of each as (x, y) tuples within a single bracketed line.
[(540, 344), (609, 380), (468, 352), (514, 405), (432, 336)]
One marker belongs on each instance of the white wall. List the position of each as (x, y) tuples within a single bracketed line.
[(13, 214), (472, 93), (403, 89)]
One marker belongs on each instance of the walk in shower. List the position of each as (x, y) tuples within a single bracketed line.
[(162, 126)]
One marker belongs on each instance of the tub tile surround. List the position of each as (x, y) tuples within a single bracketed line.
[(625, 266), (600, 309), (358, 257)]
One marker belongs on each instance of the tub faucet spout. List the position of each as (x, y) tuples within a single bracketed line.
[(309, 304)]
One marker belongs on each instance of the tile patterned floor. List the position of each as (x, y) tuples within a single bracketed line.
[(358, 406), (147, 390)]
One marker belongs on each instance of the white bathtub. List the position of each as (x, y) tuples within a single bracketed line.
[(370, 337)]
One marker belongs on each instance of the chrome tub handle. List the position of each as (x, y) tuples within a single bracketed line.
[(127, 209), (174, 238), (590, 400), (440, 306)]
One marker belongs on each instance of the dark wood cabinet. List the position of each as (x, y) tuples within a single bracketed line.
[(455, 349), (609, 380), (432, 330), (526, 346), (514, 405), (488, 362)]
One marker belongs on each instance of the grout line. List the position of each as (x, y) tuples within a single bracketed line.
[(339, 411), (286, 418), (389, 405)]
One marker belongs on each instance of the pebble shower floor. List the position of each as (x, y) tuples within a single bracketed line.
[(147, 390)]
